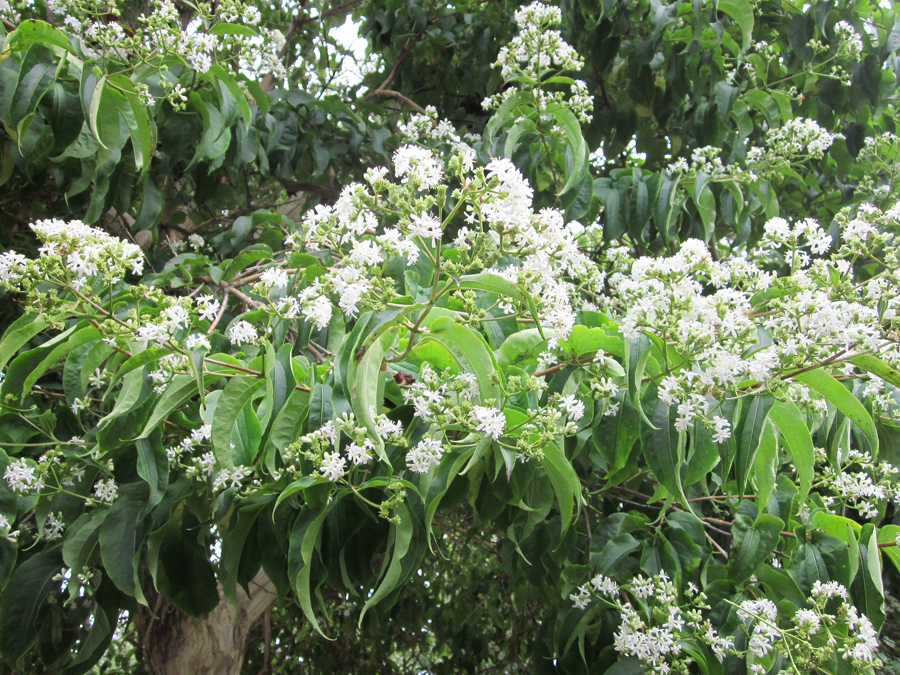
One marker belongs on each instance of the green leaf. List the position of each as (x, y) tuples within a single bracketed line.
[(402, 534), (288, 425), (637, 353), (766, 466), (134, 112), (663, 447), (741, 11), (36, 75), (180, 390), (103, 114), (837, 394), (223, 28), (447, 470), (120, 534), (494, 283), (153, 467), (754, 542), (235, 396), (887, 536), (798, 441), (565, 483), (469, 350), (233, 542), (18, 334), (366, 378), (876, 366), (571, 128), (22, 600), (748, 435), (304, 538)]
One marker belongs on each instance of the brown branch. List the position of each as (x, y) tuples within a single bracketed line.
[(396, 94)]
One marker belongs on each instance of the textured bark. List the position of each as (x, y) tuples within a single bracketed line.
[(213, 644)]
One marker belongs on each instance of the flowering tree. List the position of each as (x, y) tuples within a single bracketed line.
[(620, 340)]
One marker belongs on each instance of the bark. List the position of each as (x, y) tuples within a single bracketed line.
[(213, 644)]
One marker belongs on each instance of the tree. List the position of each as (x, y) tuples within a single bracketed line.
[(565, 342)]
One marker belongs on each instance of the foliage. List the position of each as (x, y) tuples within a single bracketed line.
[(602, 380)]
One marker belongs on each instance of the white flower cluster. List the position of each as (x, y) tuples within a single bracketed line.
[(72, 253), (799, 140), (851, 43), (360, 450), (536, 54), (861, 482), (663, 634), (703, 160), (161, 37), (704, 309)]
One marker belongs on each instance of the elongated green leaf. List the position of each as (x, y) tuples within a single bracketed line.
[(470, 351), (181, 390), (570, 126), (753, 544), (637, 353), (304, 536), (153, 467), (140, 128), (402, 536), (798, 441), (21, 601), (136, 361), (876, 366), (741, 11), (766, 466), (235, 396), (448, 469), (36, 76), (232, 546), (494, 283), (120, 534), (565, 483), (664, 447), (367, 381), (223, 28), (18, 334), (835, 393), (749, 433)]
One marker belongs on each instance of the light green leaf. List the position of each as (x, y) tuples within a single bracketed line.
[(836, 394), (235, 396), (741, 11), (798, 441)]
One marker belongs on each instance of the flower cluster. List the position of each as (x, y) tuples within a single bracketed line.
[(537, 54), (73, 254), (663, 634), (160, 37), (799, 140), (731, 321)]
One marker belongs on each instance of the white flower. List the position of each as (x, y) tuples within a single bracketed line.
[(196, 341), (20, 476), (425, 455), (208, 307), (201, 434), (425, 226), (572, 407), (106, 490), (332, 466), (242, 333), (489, 420), (274, 278), (54, 527), (359, 454)]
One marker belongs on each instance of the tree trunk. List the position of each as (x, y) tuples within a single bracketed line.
[(214, 644)]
